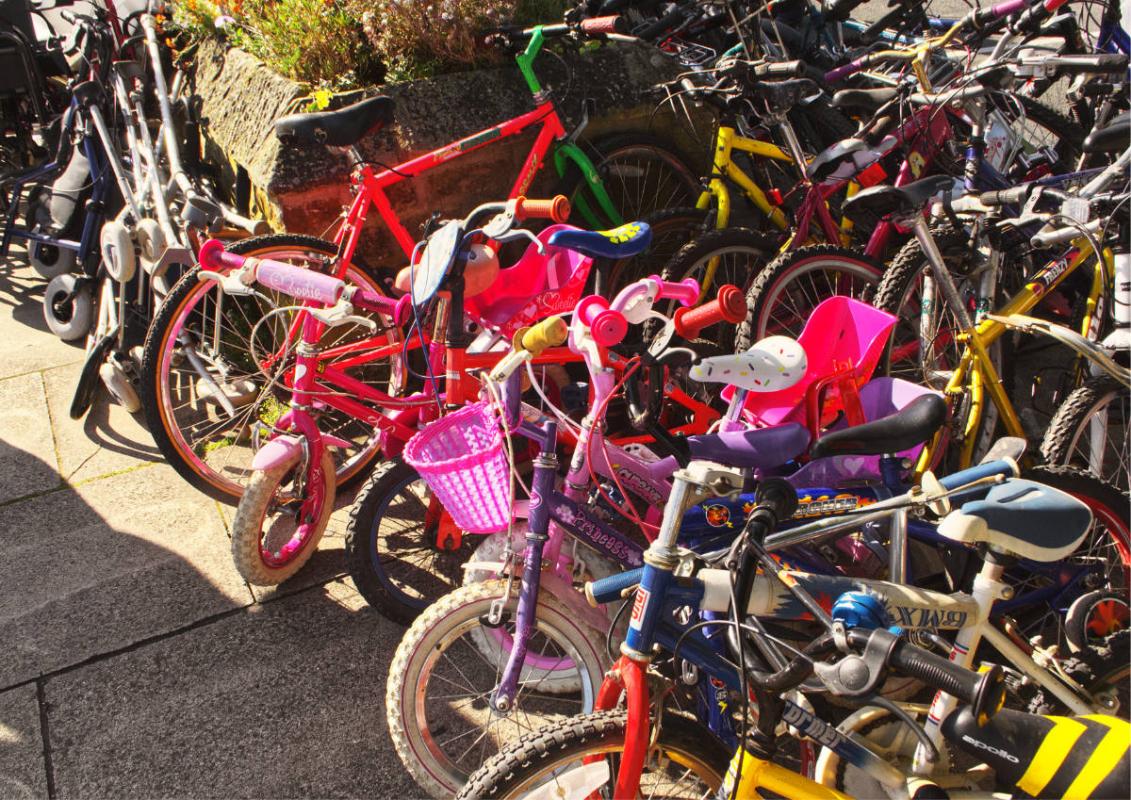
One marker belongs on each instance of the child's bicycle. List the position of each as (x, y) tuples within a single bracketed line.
[(201, 393)]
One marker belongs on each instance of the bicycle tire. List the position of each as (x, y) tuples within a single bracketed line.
[(159, 370), (680, 741), (641, 174), (394, 584), (415, 723), (772, 287), (1100, 667), (1069, 427), (1065, 136), (260, 499)]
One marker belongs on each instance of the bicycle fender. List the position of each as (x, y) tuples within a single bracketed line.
[(276, 452)]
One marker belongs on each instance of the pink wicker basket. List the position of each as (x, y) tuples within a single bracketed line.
[(461, 458)]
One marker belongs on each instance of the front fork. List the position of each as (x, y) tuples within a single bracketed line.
[(545, 473)]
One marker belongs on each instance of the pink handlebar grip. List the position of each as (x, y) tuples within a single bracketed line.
[(607, 326), (212, 256), (299, 282), (1009, 7), (685, 291)]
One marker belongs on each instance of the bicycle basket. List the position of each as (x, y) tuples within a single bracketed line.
[(462, 459)]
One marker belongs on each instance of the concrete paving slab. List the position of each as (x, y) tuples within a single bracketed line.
[(108, 439), (22, 774), (27, 449), (284, 700), (27, 345), (93, 569)]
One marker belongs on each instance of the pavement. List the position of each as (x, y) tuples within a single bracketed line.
[(134, 660)]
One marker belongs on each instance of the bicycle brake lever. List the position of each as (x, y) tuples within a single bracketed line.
[(339, 314), (229, 284), (520, 233)]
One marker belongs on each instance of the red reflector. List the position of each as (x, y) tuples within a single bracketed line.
[(775, 196), (872, 175)]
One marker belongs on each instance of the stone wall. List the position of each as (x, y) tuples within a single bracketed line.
[(304, 188)]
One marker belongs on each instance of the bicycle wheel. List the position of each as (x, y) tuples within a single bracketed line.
[(1102, 669), (198, 358), (785, 293), (732, 255), (641, 176), (1090, 431), (1105, 553), (392, 549), (923, 348), (448, 664), (1047, 142), (579, 758)]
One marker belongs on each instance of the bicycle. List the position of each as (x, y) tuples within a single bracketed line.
[(571, 759), (198, 432)]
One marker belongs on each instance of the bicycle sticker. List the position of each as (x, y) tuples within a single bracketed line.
[(637, 619)]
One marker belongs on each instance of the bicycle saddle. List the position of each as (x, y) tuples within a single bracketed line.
[(1048, 756), (827, 161), (864, 102), (913, 424), (1021, 517), (342, 128), (1111, 138), (761, 448), (781, 96), (878, 202), (630, 239), (770, 365)]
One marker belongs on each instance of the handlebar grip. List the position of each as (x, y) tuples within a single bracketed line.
[(780, 69), (729, 306), (597, 25), (606, 590), (556, 209), (299, 282), (1088, 64), (213, 256), (983, 691), (685, 291), (1003, 197), (606, 325), (550, 332), (654, 29)]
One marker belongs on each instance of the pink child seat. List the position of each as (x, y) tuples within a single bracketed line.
[(539, 285), (843, 340)]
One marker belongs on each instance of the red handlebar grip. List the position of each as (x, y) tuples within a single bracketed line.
[(729, 306), (556, 209), (610, 24), (212, 256)]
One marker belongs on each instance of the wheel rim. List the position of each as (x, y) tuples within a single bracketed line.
[(457, 730), (1100, 444), (280, 543), (407, 532), (218, 447)]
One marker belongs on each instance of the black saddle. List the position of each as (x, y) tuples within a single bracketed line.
[(342, 128), (781, 96), (864, 102), (1111, 138), (1084, 756), (911, 425), (87, 93), (826, 163), (880, 202)]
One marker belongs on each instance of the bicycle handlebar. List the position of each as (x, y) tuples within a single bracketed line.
[(685, 291), (600, 25), (550, 332)]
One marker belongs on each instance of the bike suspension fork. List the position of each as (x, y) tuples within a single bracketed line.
[(545, 471)]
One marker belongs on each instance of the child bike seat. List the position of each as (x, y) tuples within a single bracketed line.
[(904, 429), (761, 449), (1023, 518), (342, 128), (879, 202), (630, 239), (1048, 756)]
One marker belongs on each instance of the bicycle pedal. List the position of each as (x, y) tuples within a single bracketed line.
[(239, 392)]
